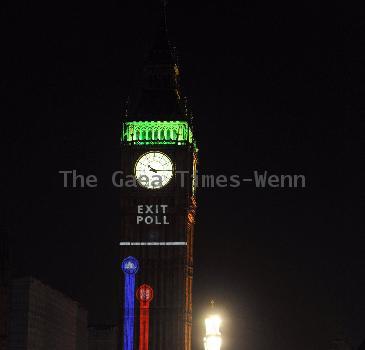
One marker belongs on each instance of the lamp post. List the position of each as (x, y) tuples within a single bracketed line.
[(213, 338)]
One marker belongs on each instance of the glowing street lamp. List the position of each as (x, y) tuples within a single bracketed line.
[(213, 338)]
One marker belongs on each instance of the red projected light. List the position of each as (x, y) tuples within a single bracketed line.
[(144, 296)]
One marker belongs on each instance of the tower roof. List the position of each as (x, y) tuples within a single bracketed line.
[(158, 94), (161, 51)]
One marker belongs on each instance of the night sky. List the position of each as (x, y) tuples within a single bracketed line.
[(266, 84)]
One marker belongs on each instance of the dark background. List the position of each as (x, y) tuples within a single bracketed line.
[(266, 84)]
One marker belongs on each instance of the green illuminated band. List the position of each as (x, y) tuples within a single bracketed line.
[(157, 132)]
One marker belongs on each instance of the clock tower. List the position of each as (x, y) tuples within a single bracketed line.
[(158, 205)]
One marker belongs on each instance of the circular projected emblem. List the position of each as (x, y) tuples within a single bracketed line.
[(144, 293), (153, 170), (130, 265)]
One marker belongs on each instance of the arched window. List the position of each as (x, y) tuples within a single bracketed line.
[(174, 137)]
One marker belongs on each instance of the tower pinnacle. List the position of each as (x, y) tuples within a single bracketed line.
[(158, 96)]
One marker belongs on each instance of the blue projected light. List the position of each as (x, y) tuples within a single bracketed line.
[(130, 267)]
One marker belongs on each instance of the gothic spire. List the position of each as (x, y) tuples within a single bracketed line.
[(158, 95), (161, 52)]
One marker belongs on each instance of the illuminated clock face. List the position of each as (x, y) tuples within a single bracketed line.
[(154, 170)]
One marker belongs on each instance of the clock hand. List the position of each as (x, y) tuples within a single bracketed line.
[(154, 170)]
